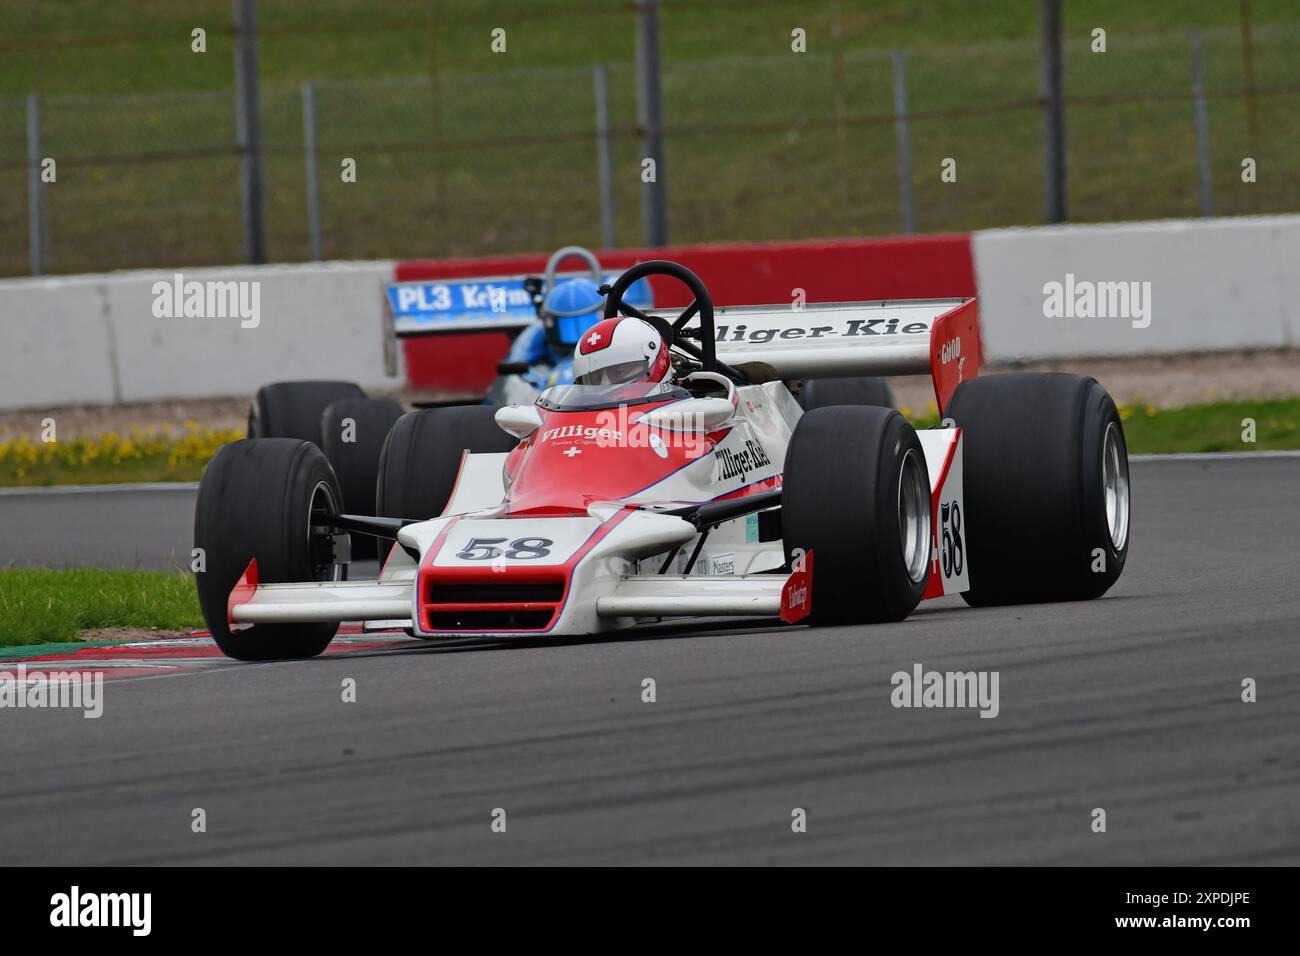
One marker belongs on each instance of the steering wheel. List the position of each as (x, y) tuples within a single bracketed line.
[(674, 332)]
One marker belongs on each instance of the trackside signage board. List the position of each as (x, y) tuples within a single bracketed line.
[(432, 306)]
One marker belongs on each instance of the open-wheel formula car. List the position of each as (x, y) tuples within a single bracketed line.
[(701, 491)]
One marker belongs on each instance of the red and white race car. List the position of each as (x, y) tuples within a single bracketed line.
[(711, 494)]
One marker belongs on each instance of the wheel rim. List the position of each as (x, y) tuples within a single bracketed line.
[(1114, 476), (320, 537), (914, 515)]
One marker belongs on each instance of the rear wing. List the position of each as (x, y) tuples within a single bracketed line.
[(834, 340)]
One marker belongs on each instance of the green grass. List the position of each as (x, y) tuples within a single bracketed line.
[(40, 606), (1216, 426), (158, 454), (152, 469), (1211, 427), (496, 155)]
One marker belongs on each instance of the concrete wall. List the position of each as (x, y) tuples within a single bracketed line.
[(96, 339), (1214, 284)]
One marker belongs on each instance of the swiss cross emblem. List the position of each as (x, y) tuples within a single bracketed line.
[(593, 339), (571, 452)]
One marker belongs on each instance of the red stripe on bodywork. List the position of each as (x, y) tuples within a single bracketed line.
[(242, 592)]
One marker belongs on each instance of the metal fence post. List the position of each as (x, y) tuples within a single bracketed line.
[(249, 125), (841, 114), (1202, 124), (904, 143), (309, 152), (35, 207), (600, 75), (654, 195), (1052, 90)]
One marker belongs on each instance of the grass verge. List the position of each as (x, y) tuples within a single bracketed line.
[(39, 605), (160, 456), (141, 455), (1211, 427), (1216, 426), (497, 153)]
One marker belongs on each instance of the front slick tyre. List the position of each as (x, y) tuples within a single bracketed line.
[(857, 495), (263, 499)]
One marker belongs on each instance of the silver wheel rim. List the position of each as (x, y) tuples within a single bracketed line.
[(1114, 477), (914, 515), (321, 502)]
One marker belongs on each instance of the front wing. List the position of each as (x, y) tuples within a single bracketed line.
[(481, 573)]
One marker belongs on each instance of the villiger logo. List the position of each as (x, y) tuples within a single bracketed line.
[(853, 328), (586, 432), (740, 462)]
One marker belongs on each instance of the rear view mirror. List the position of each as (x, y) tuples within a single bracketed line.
[(519, 420), (691, 415)]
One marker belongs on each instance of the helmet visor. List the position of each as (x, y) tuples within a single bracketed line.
[(619, 374), (568, 329)]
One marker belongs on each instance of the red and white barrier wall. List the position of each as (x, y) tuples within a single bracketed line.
[(913, 267), (1213, 284)]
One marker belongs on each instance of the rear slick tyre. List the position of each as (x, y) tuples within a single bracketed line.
[(1046, 487), (353, 432), (294, 409)]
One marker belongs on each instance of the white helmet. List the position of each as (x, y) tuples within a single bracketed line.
[(620, 351)]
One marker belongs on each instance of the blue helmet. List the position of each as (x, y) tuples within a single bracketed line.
[(569, 309)]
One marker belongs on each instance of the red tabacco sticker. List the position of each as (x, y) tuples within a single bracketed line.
[(796, 596), (242, 592)]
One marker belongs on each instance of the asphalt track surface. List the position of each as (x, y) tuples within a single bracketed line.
[(1131, 704)]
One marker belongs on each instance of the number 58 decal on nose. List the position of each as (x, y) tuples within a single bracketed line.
[(520, 549), (529, 541)]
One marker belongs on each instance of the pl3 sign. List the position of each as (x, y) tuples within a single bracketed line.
[(459, 305)]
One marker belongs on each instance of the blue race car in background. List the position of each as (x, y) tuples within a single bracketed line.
[(567, 306), (547, 314)]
